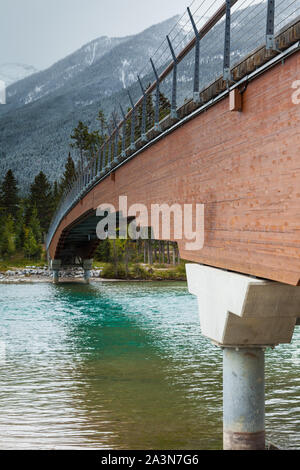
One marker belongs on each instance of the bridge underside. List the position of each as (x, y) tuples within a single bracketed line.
[(79, 240), (243, 166)]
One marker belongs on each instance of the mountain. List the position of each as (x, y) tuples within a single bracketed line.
[(43, 109), (11, 73), (60, 74)]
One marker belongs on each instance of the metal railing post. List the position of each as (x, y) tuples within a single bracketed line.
[(94, 168), (105, 163), (99, 161), (109, 148), (116, 139), (197, 60), (174, 85), (226, 65), (270, 38), (132, 142), (156, 124), (123, 153), (144, 112)]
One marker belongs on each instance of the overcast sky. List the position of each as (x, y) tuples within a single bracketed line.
[(40, 32)]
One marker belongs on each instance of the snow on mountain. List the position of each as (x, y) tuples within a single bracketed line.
[(55, 77), (11, 73)]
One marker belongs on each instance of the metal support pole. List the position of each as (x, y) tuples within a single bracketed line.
[(123, 153), (144, 111), (132, 143), (109, 148), (99, 161), (270, 38), (116, 139), (95, 166), (197, 60), (226, 65), (87, 169), (105, 163), (90, 171), (174, 85), (243, 399), (156, 124), (93, 169)]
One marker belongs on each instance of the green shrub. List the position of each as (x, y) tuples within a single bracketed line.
[(138, 272), (112, 272)]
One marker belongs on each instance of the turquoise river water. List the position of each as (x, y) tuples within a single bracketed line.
[(122, 366)]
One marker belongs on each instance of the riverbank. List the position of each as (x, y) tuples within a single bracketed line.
[(105, 272)]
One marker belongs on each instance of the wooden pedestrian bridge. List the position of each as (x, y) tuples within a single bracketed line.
[(234, 147)]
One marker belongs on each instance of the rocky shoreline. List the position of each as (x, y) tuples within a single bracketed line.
[(43, 274)]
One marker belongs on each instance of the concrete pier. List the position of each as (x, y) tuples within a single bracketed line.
[(244, 399), (243, 315), (55, 266), (56, 277), (87, 266)]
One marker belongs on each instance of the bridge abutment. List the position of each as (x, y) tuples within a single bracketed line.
[(243, 315)]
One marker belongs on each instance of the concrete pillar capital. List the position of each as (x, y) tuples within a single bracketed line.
[(242, 311)]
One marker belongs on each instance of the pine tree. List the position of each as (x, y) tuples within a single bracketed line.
[(32, 249), (9, 196), (102, 122), (41, 198), (103, 251), (68, 176), (8, 246), (34, 225), (56, 195), (150, 111), (81, 137), (19, 226), (164, 106), (128, 130), (94, 142)]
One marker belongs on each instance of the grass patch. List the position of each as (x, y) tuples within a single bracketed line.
[(144, 273), (19, 262)]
